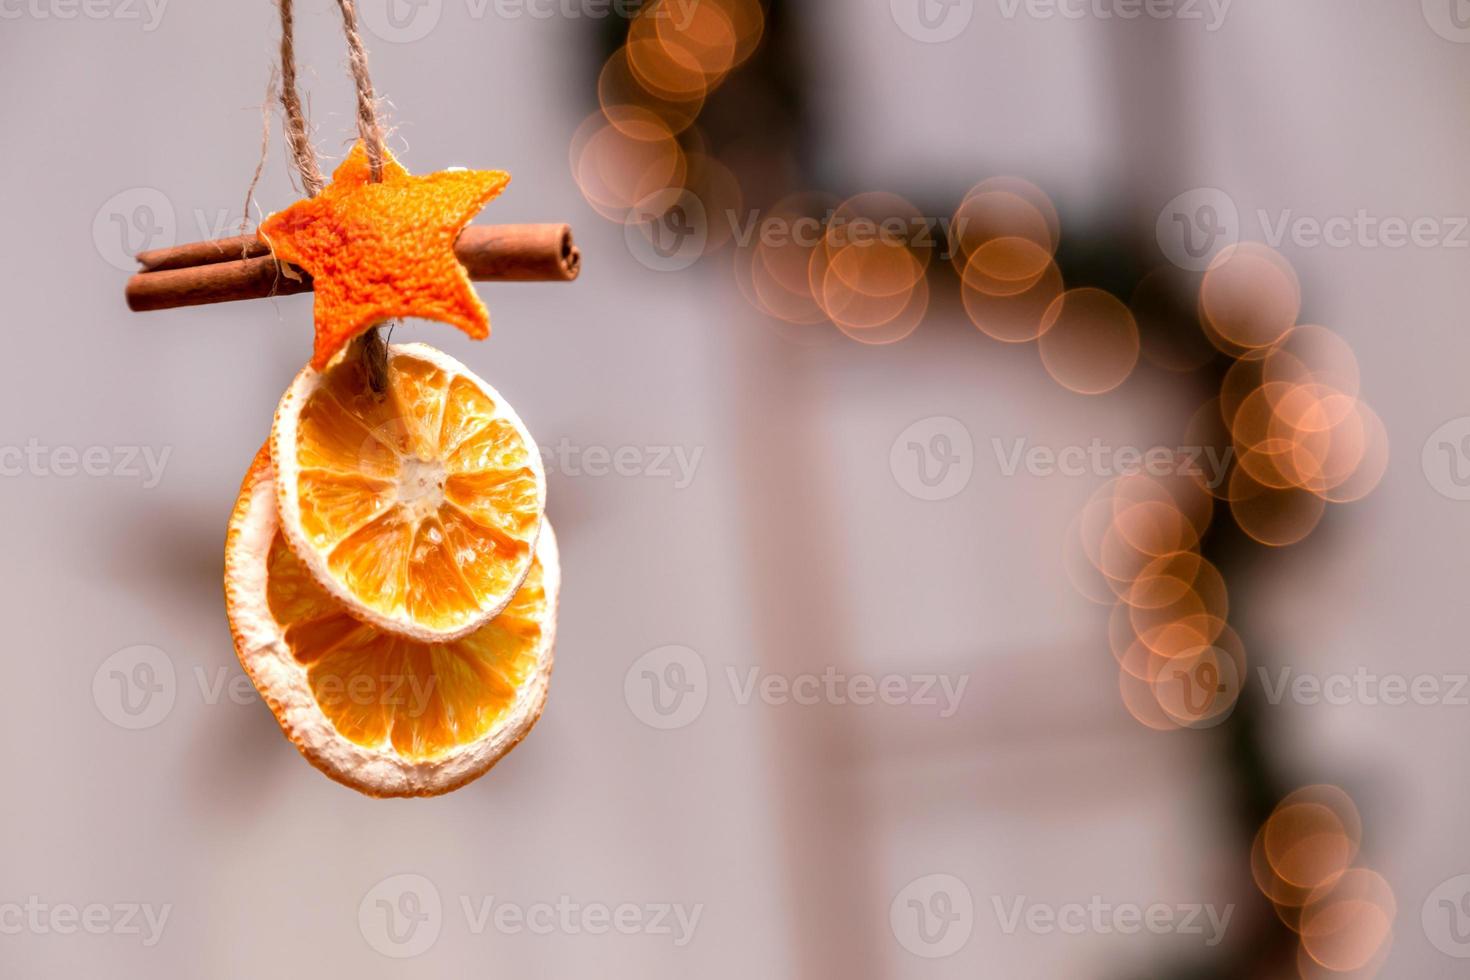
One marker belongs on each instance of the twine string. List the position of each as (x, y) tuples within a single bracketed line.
[(265, 145), (369, 346), (368, 126), (298, 138)]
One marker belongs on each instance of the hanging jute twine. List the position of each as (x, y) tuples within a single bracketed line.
[(370, 345)]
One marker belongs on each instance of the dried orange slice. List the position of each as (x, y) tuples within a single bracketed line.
[(418, 510), (383, 714)]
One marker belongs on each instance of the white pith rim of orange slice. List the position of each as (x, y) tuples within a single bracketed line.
[(284, 434), (284, 684)]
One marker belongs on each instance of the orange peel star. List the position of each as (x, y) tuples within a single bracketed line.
[(382, 250)]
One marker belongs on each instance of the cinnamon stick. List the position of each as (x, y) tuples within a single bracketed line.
[(229, 269), (203, 253)]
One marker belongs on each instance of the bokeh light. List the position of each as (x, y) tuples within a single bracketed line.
[(868, 273), (1009, 317), (1250, 297), (1303, 861), (1003, 207), (619, 91), (1347, 923), (1136, 544), (651, 91), (618, 163), (1089, 341)]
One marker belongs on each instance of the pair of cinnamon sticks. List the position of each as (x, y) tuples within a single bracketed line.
[(243, 268)]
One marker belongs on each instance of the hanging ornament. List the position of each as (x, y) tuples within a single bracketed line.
[(391, 581)]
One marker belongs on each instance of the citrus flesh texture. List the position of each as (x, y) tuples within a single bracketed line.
[(420, 509), (384, 714), (378, 689)]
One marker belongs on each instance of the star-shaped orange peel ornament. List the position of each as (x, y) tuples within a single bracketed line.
[(376, 251)]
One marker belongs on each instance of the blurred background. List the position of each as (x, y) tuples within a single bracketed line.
[(1009, 456)]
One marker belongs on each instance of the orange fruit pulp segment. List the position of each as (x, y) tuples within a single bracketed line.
[(378, 688), (418, 510)]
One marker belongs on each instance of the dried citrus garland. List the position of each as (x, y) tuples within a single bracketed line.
[(390, 581)]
